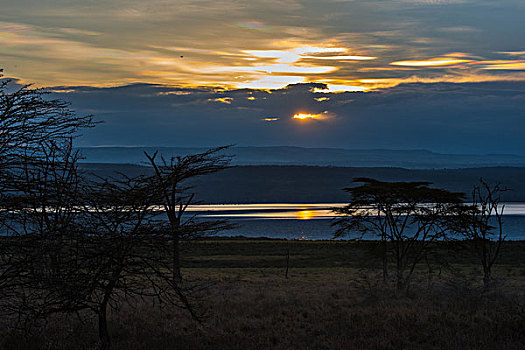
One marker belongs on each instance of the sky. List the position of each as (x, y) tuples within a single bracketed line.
[(443, 75)]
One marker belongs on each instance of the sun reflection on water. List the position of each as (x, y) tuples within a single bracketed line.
[(304, 214)]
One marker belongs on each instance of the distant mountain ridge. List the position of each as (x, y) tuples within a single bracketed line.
[(288, 155), (316, 184)]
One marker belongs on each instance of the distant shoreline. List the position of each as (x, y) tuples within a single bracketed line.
[(318, 184), (339, 241)]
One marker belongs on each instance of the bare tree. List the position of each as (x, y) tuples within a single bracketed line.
[(37, 163), (68, 245), (38, 180), (408, 217), (481, 224), (126, 253), (93, 253), (28, 119), (174, 194), (40, 243)]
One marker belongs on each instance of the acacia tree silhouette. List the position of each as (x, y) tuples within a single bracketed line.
[(481, 224), (407, 216), (124, 252), (67, 244), (174, 194), (38, 179), (30, 123)]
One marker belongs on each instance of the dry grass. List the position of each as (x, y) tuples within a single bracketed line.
[(317, 307)]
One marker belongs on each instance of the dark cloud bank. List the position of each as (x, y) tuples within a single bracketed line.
[(443, 117)]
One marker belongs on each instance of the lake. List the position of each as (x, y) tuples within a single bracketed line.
[(312, 221)]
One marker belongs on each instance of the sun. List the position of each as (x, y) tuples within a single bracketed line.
[(306, 116)]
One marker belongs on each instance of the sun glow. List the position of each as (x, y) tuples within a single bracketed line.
[(307, 116), (304, 215)]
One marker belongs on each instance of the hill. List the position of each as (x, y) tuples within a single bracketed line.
[(312, 184), (410, 159)]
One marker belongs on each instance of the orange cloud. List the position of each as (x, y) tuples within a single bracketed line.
[(502, 64), (382, 83), (310, 116), (431, 62), (226, 100)]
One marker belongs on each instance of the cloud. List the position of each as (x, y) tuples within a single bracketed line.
[(226, 100), (446, 75), (430, 62), (265, 45), (485, 117), (459, 29), (437, 2), (502, 65), (309, 116), (513, 53)]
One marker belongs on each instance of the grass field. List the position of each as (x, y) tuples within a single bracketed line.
[(333, 298)]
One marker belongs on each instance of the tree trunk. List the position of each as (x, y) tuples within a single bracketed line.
[(103, 333), (400, 285), (287, 262), (385, 262), (486, 277), (177, 275)]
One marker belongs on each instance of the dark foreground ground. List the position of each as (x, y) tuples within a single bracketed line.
[(333, 298)]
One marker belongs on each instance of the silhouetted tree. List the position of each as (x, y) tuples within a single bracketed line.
[(175, 195), (38, 181), (88, 252), (481, 224), (68, 245), (28, 121), (127, 256), (407, 216), (40, 245)]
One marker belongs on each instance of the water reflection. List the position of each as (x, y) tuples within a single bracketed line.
[(312, 221), (304, 214), (299, 211), (268, 211)]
